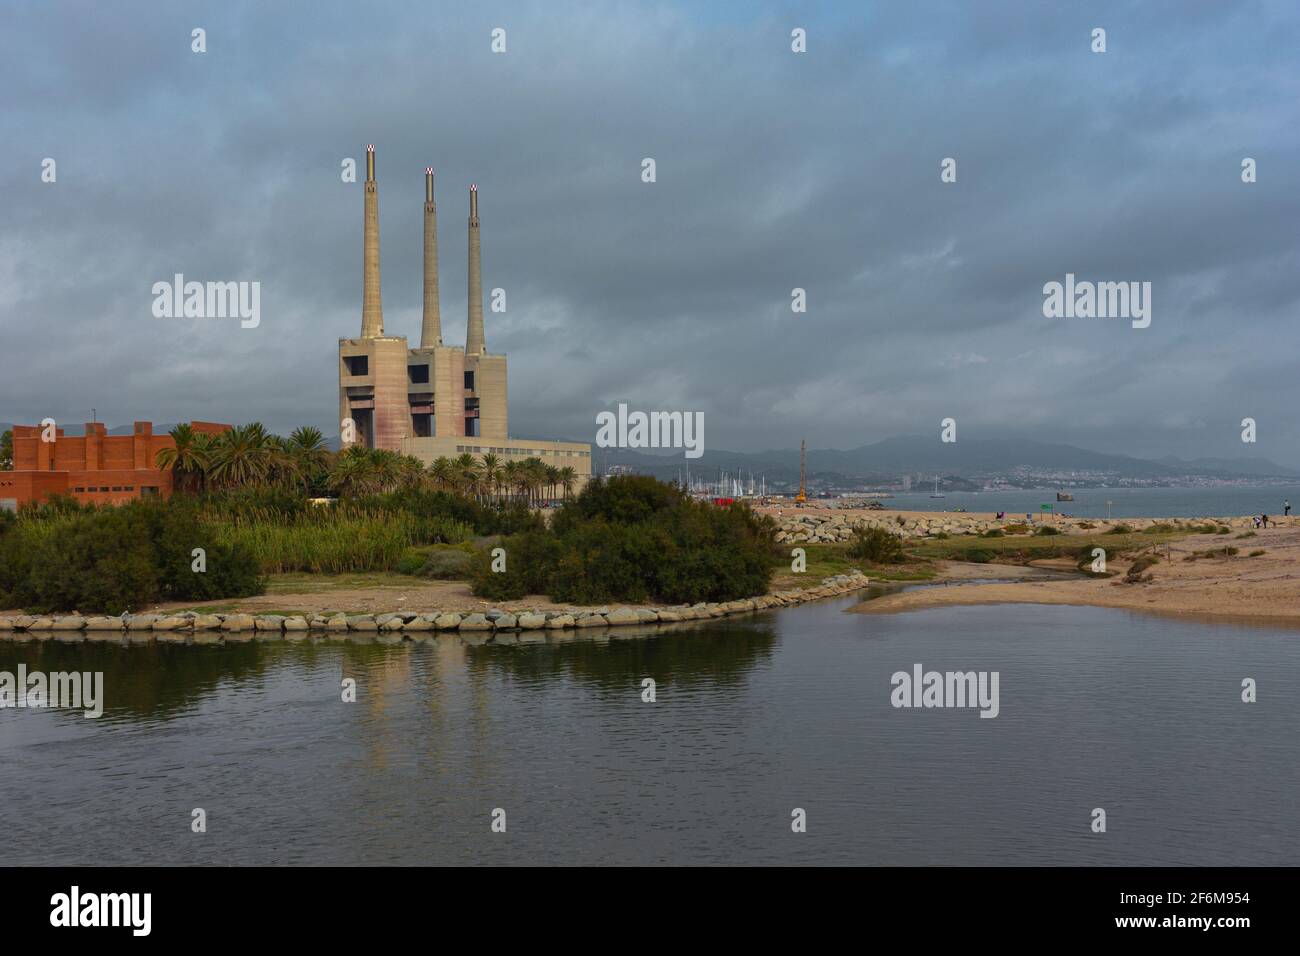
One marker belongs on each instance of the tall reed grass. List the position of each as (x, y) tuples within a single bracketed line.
[(335, 540)]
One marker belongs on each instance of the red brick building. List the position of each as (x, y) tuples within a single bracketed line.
[(95, 467)]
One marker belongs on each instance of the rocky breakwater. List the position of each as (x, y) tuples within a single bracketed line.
[(199, 628), (829, 527)]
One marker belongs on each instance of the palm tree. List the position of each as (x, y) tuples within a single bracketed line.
[(510, 477), (307, 446), (410, 472), (552, 479), (186, 458), (355, 473), (466, 473), (282, 468), (388, 467), (491, 472), (242, 456), (568, 478), (535, 472), (441, 472)]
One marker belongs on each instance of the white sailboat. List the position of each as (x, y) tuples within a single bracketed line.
[(936, 488)]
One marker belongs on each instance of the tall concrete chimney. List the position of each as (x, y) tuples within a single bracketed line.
[(372, 309), (474, 333), (431, 329)]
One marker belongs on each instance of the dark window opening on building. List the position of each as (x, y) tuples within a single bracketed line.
[(419, 374), (148, 491), (422, 425), (358, 364), (471, 427), (364, 418), (469, 381)]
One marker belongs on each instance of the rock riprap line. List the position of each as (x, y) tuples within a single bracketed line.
[(824, 527), (408, 624)]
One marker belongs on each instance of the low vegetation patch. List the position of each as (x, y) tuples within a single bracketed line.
[(1135, 574), (64, 557), (633, 539), (441, 562), (1224, 552), (877, 546)]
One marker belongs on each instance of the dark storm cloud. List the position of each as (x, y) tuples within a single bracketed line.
[(775, 170)]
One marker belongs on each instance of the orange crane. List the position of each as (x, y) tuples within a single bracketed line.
[(802, 496)]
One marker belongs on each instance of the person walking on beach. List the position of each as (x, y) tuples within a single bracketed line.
[(1286, 508), (1264, 518)]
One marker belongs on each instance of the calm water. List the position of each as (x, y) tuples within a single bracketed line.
[(1099, 708), (1125, 502)]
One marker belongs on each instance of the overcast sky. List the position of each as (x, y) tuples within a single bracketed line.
[(775, 170)]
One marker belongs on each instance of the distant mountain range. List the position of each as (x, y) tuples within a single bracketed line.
[(887, 460), (891, 458)]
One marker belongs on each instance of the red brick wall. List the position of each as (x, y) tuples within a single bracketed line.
[(122, 465)]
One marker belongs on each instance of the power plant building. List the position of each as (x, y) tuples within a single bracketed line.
[(438, 399)]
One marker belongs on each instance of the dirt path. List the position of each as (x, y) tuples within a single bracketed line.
[(417, 596)]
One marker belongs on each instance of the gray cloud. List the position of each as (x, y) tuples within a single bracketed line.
[(775, 171)]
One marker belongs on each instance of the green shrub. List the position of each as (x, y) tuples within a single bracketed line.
[(529, 561), (628, 499), (1256, 553), (1020, 528), (1046, 530), (977, 555), (441, 561), (1246, 534), (1120, 529), (633, 539), (992, 533), (1134, 574), (876, 545), (116, 559), (411, 561), (1159, 528)]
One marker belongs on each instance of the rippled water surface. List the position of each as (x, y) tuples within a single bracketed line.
[(754, 717)]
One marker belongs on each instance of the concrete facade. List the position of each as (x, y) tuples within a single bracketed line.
[(95, 467), (391, 395), (557, 454)]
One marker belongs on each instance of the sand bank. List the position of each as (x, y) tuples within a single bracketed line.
[(1265, 587)]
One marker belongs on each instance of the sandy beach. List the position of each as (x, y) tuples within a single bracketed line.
[(1265, 587)]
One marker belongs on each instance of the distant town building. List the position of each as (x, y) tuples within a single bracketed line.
[(95, 467), (438, 399)]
